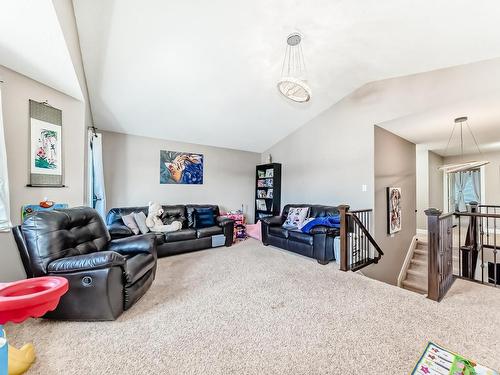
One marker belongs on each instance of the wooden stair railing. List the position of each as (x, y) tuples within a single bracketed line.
[(358, 248)]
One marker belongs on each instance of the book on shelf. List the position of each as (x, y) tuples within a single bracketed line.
[(261, 194), (269, 173), (269, 194), (261, 183), (268, 182), (261, 174), (261, 205)]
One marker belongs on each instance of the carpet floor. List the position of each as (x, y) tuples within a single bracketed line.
[(251, 309)]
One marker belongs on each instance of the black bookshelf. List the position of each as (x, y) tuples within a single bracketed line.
[(267, 190)]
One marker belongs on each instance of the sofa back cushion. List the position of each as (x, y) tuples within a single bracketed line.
[(190, 208), (114, 215), (174, 213), (51, 235), (315, 210)]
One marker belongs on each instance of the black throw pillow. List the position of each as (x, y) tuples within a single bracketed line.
[(204, 217)]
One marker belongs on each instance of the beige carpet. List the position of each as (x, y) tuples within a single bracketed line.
[(251, 309)]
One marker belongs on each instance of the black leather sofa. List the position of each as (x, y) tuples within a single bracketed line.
[(318, 244), (187, 239), (105, 276)]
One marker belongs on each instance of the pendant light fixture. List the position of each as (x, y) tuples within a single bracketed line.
[(464, 165), (293, 82)]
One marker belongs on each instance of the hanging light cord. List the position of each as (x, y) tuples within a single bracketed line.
[(449, 140), (474, 138)]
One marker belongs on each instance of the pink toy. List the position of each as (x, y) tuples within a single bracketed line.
[(254, 230)]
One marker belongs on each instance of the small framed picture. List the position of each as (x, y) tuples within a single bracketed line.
[(269, 173)]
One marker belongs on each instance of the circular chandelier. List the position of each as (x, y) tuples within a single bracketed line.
[(293, 82), (464, 165)]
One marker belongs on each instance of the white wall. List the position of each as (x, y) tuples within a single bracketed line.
[(132, 174), (16, 92), (436, 188)]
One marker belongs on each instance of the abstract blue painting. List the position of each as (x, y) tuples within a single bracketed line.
[(181, 168)]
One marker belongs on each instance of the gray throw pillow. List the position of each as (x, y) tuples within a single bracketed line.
[(140, 219), (129, 221)]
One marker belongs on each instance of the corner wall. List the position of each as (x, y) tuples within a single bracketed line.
[(16, 92), (132, 174), (395, 165)]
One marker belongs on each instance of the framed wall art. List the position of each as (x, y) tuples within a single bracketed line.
[(46, 158), (393, 210), (181, 168)]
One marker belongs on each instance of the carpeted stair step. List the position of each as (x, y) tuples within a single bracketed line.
[(419, 262), (421, 252), (414, 287)]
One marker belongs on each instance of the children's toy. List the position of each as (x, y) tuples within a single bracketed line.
[(45, 205), (19, 301), (240, 232), (154, 222), (439, 361)]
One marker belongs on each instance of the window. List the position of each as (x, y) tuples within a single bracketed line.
[(463, 188)]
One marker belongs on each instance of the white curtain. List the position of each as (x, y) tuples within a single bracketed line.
[(5, 223), (476, 184), (460, 182), (97, 192)]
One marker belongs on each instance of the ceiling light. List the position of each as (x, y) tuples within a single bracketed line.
[(293, 82), (464, 165)]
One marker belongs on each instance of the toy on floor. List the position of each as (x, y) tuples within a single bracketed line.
[(19, 301)]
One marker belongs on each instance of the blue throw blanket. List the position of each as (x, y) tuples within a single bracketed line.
[(327, 221)]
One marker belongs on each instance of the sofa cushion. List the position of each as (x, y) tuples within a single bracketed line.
[(174, 213), (129, 221), (208, 231), (278, 232), (204, 217), (296, 216), (298, 236), (180, 235), (140, 220), (190, 208), (137, 266)]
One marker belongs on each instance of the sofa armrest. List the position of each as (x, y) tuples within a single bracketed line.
[(322, 229), (227, 226), (133, 245), (117, 230), (273, 220), (223, 221), (97, 260)]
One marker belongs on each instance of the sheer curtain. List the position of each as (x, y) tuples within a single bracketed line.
[(96, 190), (476, 184), (5, 223), (460, 183)]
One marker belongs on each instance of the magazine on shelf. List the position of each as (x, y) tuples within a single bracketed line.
[(269, 193), (261, 174), (262, 194), (261, 205), (269, 173), (268, 182), (261, 183)]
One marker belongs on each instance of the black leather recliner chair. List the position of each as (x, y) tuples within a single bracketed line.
[(189, 238), (318, 244), (105, 277)]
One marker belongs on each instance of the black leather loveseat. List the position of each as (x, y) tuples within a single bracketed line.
[(105, 276), (319, 244), (189, 238)]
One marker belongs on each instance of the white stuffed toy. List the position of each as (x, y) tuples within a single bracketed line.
[(154, 222)]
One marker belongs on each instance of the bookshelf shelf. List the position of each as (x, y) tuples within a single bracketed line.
[(267, 190)]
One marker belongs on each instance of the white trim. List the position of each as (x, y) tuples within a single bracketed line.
[(406, 264), (422, 231)]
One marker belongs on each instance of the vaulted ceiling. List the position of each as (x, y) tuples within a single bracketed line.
[(206, 71), (32, 43)]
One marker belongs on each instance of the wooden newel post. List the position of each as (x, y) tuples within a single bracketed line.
[(433, 215), (344, 240)]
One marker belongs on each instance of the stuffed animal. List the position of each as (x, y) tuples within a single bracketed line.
[(154, 222)]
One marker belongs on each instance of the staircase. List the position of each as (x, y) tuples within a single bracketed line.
[(416, 274)]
